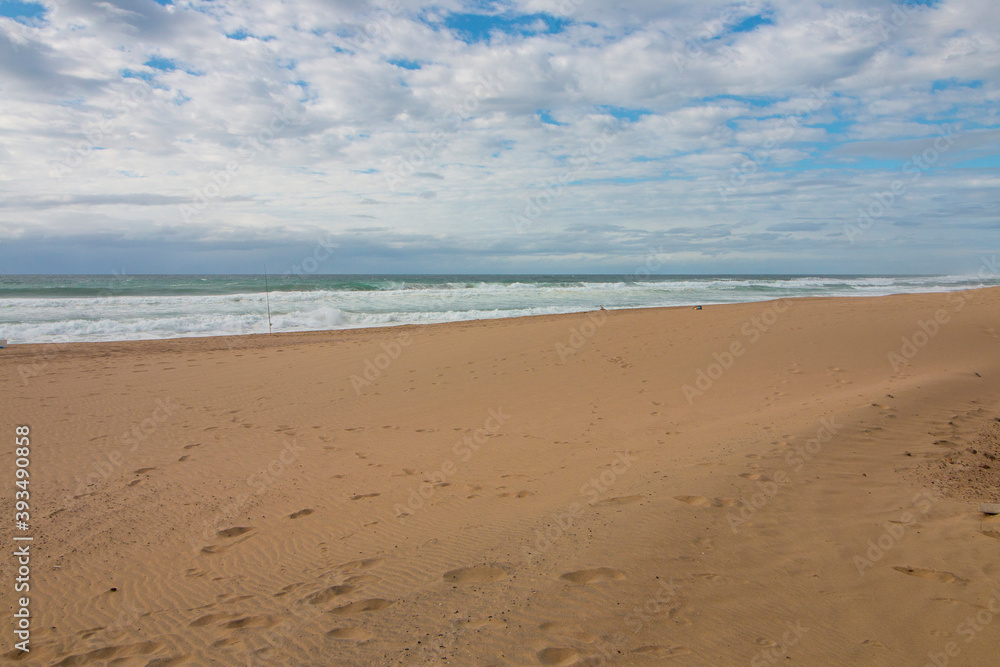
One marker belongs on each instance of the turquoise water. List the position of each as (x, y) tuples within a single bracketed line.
[(65, 308)]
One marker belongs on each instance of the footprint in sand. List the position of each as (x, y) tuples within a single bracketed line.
[(301, 513), (702, 501), (933, 575), (594, 576), (143, 470), (250, 622), (233, 532), (215, 549), (288, 589), (365, 495), (620, 500), (361, 606), (558, 656), (109, 652), (168, 661), (226, 641), (990, 533), (361, 580), (209, 619), (191, 446), (229, 598), (87, 634), (350, 634), (362, 564), (477, 574), (331, 593), (662, 651), (697, 501)]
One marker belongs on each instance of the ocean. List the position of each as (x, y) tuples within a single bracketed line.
[(65, 308)]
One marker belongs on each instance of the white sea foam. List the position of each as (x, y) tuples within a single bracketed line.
[(119, 316)]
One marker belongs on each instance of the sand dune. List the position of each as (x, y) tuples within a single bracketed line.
[(737, 485)]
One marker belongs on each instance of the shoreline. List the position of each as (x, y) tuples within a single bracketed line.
[(363, 329), (179, 308), (642, 483)]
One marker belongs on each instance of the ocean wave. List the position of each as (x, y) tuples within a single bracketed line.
[(385, 301)]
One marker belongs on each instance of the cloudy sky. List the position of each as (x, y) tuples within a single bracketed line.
[(515, 136)]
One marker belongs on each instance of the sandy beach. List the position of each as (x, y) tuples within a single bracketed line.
[(787, 482)]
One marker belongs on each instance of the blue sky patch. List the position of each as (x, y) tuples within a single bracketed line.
[(405, 64), (985, 162), (751, 23), (622, 113), (836, 127), (948, 84), (169, 65), (547, 117), (756, 102), (13, 9), (162, 64), (132, 74), (473, 28)]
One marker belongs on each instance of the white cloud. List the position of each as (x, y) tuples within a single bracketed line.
[(116, 114)]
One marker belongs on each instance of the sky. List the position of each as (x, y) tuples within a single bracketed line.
[(518, 136)]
